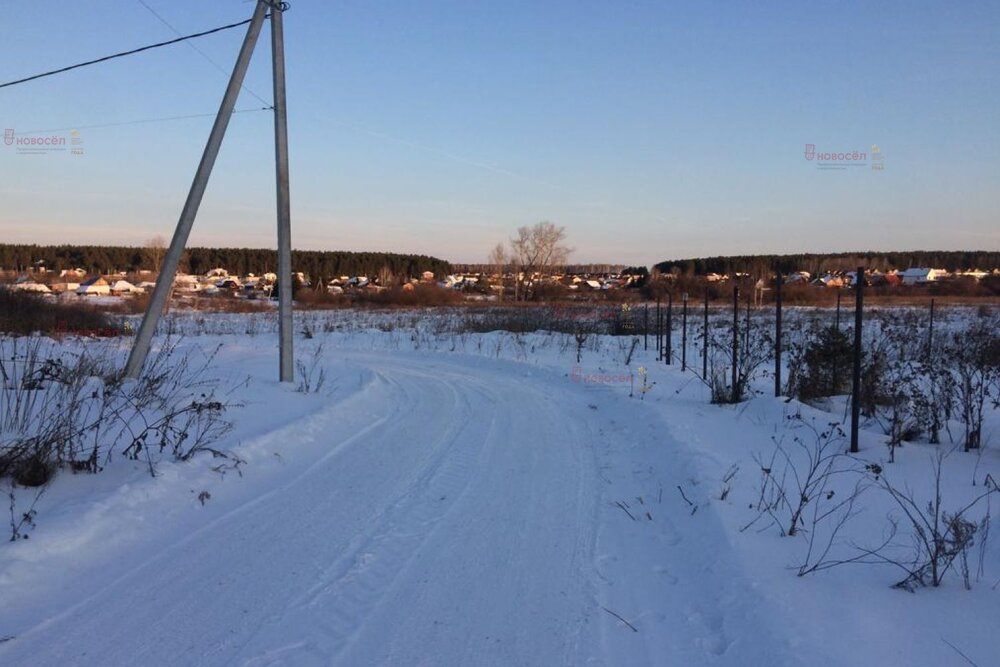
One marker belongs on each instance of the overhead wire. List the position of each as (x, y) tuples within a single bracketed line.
[(200, 52), (124, 53), (138, 121)]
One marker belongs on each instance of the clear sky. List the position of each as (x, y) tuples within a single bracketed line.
[(650, 130)]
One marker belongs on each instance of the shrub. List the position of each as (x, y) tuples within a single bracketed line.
[(63, 409), (420, 295), (24, 313), (321, 299), (826, 365)]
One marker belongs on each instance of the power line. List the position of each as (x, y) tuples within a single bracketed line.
[(202, 53), (124, 53), (137, 122)]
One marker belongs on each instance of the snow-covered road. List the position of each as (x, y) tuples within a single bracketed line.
[(456, 500), (450, 511)]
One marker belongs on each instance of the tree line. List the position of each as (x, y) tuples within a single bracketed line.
[(818, 263), (238, 261)]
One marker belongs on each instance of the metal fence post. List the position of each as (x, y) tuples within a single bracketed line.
[(659, 329), (777, 333), (684, 331), (859, 287), (669, 352), (645, 327), (736, 339), (930, 332), (704, 346)]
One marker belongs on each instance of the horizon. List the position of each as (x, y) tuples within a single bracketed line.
[(646, 131), (625, 265)]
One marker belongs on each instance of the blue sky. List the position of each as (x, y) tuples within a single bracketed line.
[(649, 130)]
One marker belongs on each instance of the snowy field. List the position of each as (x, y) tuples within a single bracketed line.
[(440, 497)]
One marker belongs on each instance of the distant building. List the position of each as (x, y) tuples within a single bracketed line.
[(26, 284), (124, 287), (96, 286), (920, 276)]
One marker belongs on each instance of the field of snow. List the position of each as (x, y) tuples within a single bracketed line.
[(452, 498)]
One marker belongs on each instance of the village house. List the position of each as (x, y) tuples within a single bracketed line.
[(96, 286), (27, 284), (186, 283), (123, 287), (921, 276), (798, 277), (64, 287), (830, 280)]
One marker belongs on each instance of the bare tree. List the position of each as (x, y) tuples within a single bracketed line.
[(156, 248), (386, 278), (498, 261), (537, 249)]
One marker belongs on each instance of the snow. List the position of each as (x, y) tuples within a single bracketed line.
[(469, 499)]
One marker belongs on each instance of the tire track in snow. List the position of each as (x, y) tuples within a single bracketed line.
[(339, 604), (674, 576), (501, 578), (314, 423)]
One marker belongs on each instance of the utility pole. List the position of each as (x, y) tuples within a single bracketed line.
[(168, 271), (286, 370), (165, 281)]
